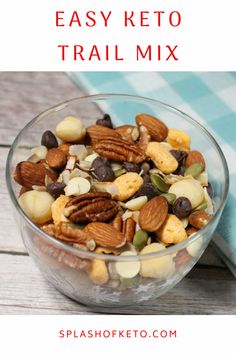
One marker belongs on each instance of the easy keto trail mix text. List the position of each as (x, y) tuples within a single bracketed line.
[(127, 190)]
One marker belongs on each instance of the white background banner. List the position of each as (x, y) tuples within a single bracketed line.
[(117, 35), (116, 334)]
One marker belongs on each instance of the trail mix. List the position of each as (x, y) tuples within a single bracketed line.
[(124, 190)]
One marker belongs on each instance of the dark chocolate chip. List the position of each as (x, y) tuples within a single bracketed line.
[(182, 207), (147, 189), (49, 140), (210, 190), (56, 189), (180, 171), (100, 161), (131, 167), (105, 121), (146, 178), (104, 174), (179, 155)]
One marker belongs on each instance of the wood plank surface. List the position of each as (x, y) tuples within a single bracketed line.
[(25, 95), (10, 239), (26, 291), (208, 289)]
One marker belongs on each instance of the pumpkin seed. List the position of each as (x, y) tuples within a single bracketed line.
[(74, 226), (202, 206), (170, 197), (159, 183), (194, 170), (129, 282), (119, 172), (140, 239)]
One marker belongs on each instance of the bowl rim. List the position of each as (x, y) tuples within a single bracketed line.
[(106, 257)]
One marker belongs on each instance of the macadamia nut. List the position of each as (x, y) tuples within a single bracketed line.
[(161, 157), (195, 248), (190, 189), (178, 139), (37, 205), (158, 266), (172, 231), (70, 129)]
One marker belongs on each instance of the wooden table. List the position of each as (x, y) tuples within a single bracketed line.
[(209, 288)]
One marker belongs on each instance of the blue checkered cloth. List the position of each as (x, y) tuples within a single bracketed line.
[(209, 97)]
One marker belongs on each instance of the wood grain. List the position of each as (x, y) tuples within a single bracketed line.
[(24, 290), (10, 239), (24, 95)]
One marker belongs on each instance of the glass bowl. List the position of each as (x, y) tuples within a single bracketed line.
[(69, 268)]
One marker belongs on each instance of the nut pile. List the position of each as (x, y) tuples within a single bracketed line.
[(124, 190)]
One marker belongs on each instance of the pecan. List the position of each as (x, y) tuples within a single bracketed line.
[(66, 233), (64, 257), (97, 206), (128, 229), (98, 233), (144, 138), (119, 150), (182, 258), (99, 132), (129, 133)]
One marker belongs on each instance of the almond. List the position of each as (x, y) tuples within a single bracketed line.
[(128, 132), (191, 230), (29, 174), (153, 214), (105, 235), (117, 223), (65, 147), (195, 156), (199, 219), (56, 158), (156, 128), (99, 132)]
